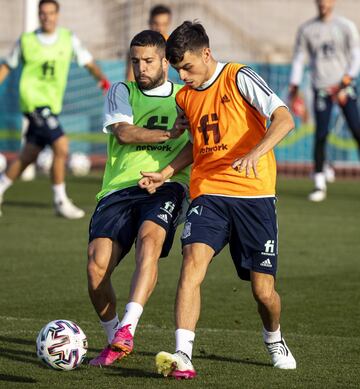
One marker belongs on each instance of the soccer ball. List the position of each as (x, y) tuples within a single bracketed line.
[(3, 163), (44, 160), (79, 164), (61, 345)]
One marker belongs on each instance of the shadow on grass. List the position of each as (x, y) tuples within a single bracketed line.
[(211, 357), (19, 355), (26, 342), (14, 378), (128, 372), (218, 358), (26, 204)]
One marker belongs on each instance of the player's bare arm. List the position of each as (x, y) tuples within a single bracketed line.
[(96, 72), (152, 180), (127, 133), (281, 124)]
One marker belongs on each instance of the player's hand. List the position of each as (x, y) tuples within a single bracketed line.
[(105, 85), (247, 164), (342, 97), (293, 92), (151, 181), (180, 125)]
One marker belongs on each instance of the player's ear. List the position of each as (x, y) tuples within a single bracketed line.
[(206, 54), (165, 63)]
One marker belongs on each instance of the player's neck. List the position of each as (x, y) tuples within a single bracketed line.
[(48, 32), (327, 17), (211, 70)]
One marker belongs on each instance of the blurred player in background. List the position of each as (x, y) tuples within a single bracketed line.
[(333, 46), (160, 21), (232, 188), (144, 132), (46, 55)]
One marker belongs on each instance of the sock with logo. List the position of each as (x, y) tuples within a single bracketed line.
[(272, 337), (110, 327), (184, 341), (133, 312), (5, 183), (59, 193)]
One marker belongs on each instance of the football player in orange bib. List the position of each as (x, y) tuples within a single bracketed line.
[(232, 187)]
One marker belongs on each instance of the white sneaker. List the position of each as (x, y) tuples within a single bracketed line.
[(68, 210), (317, 195), (281, 356), (29, 173), (176, 365), (329, 174)]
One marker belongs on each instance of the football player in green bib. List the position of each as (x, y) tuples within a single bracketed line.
[(144, 132), (46, 54)]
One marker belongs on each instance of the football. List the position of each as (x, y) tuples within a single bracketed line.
[(79, 164), (61, 345), (44, 160), (3, 163)]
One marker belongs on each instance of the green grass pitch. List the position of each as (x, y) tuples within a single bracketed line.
[(43, 277)]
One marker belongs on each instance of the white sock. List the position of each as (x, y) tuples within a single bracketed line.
[(184, 341), (132, 316), (5, 183), (320, 181), (110, 327), (59, 192), (272, 337)]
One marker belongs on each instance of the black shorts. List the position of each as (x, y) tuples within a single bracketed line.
[(249, 225), (44, 127), (119, 215)]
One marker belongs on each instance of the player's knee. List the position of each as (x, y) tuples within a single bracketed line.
[(263, 294), (61, 154), (193, 271), (150, 244), (97, 269), (27, 159)]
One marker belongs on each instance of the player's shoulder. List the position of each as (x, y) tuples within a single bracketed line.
[(118, 90), (308, 25), (345, 22), (28, 34), (65, 30), (231, 69), (176, 86)]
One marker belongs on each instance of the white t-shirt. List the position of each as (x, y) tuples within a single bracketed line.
[(81, 54), (253, 89), (333, 48), (117, 108)]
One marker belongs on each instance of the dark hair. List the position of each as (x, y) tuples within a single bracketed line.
[(57, 5), (159, 10), (190, 36), (149, 38)]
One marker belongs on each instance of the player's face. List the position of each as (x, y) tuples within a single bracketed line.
[(160, 23), (48, 16), (194, 68), (149, 66), (325, 7)]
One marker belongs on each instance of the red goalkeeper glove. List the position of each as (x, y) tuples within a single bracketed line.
[(105, 85)]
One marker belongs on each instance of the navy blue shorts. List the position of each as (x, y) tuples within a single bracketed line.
[(44, 127), (249, 225), (119, 215)]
